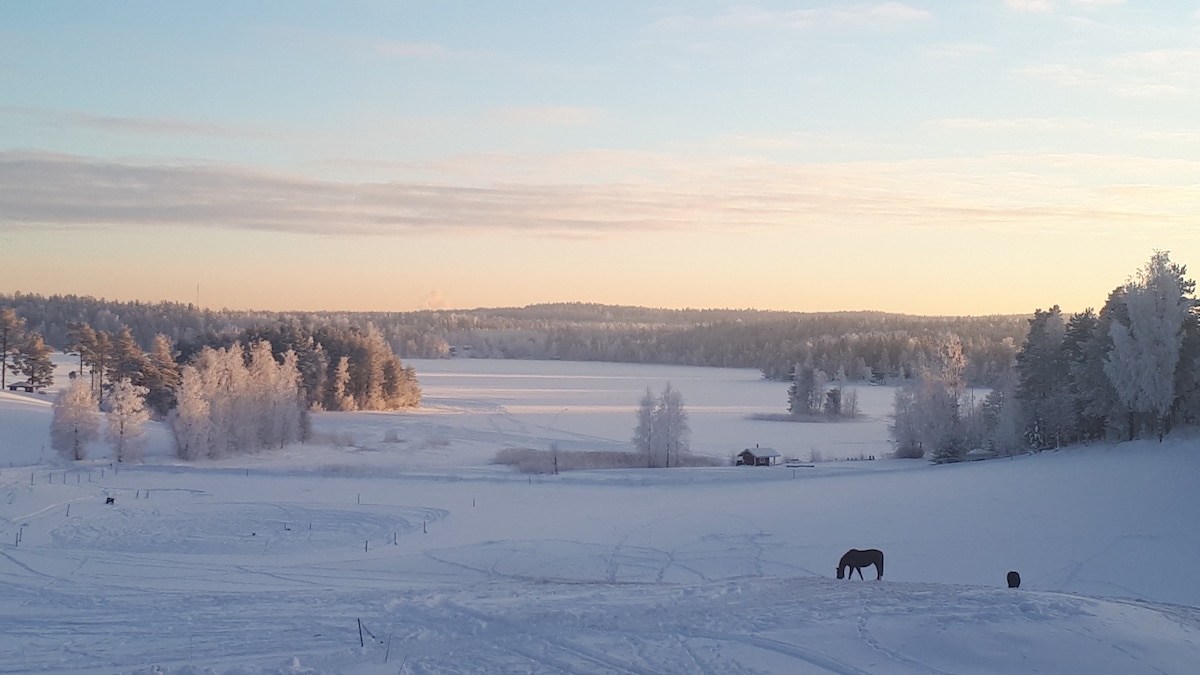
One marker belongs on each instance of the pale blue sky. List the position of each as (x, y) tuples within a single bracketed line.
[(927, 157)]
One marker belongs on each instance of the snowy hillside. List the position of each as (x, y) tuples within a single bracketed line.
[(399, 523)]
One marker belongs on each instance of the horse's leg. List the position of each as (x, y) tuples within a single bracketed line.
[(859, 570), (879, 570)]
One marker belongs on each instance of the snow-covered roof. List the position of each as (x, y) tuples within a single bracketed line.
[(762, 452)]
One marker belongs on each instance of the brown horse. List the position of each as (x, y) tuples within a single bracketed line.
[(856, 560)]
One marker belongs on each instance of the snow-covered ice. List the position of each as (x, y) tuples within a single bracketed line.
[(400, 524)]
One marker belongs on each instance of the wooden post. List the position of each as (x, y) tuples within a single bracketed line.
[(360, 638)]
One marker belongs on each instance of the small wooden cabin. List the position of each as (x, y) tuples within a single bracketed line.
[(757, 456)]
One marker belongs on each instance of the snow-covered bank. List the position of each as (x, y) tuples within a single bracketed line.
[(267, 563)]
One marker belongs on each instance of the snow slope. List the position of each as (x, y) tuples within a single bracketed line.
[(268, 564)]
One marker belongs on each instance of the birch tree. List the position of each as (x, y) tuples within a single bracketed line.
[(192, 418), (662, 432), (126, 417), (74, 423), (1146, 348)]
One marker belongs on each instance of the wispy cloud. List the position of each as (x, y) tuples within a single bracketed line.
[(1043, 6), (410, 49), (1136, 74), (1011, 124), (957, 51), (155, 126), (547, 116), (1031, 193), (877, 15), (1029, 5), (354, 43)]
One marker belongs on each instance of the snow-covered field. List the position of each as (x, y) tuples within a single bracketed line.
[(399, 524)]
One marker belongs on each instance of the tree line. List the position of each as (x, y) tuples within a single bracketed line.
[(227, 393), (1130, 370), (878, 346)]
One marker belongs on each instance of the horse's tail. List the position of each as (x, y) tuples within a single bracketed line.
[(881, 564)]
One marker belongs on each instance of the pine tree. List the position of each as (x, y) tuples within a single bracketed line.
[(340, 397), (74, 423), (80, 338), (806, 395), (126, 417), (12, 335), (100, 355), (33, 361), (127, 360), (1097, 397), (1085, 369), (1043, 385), (162, 375)]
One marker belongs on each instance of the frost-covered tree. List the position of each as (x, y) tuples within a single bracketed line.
[(340, 396), (906, 422), (662, 431), (126, 417), (191, 420), (1146, 348), (1001, 416), (228, 406), (74, 423), (806, 395), (671, 422), (932, 415), (841, 400), (644, 428), (275, 392)]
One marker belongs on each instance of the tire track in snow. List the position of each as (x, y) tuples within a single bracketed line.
[(591, 655), (811, 657)]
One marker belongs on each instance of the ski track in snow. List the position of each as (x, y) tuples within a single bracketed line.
[(267, 564)]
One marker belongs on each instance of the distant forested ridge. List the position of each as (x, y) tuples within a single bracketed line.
[(863, 345)]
